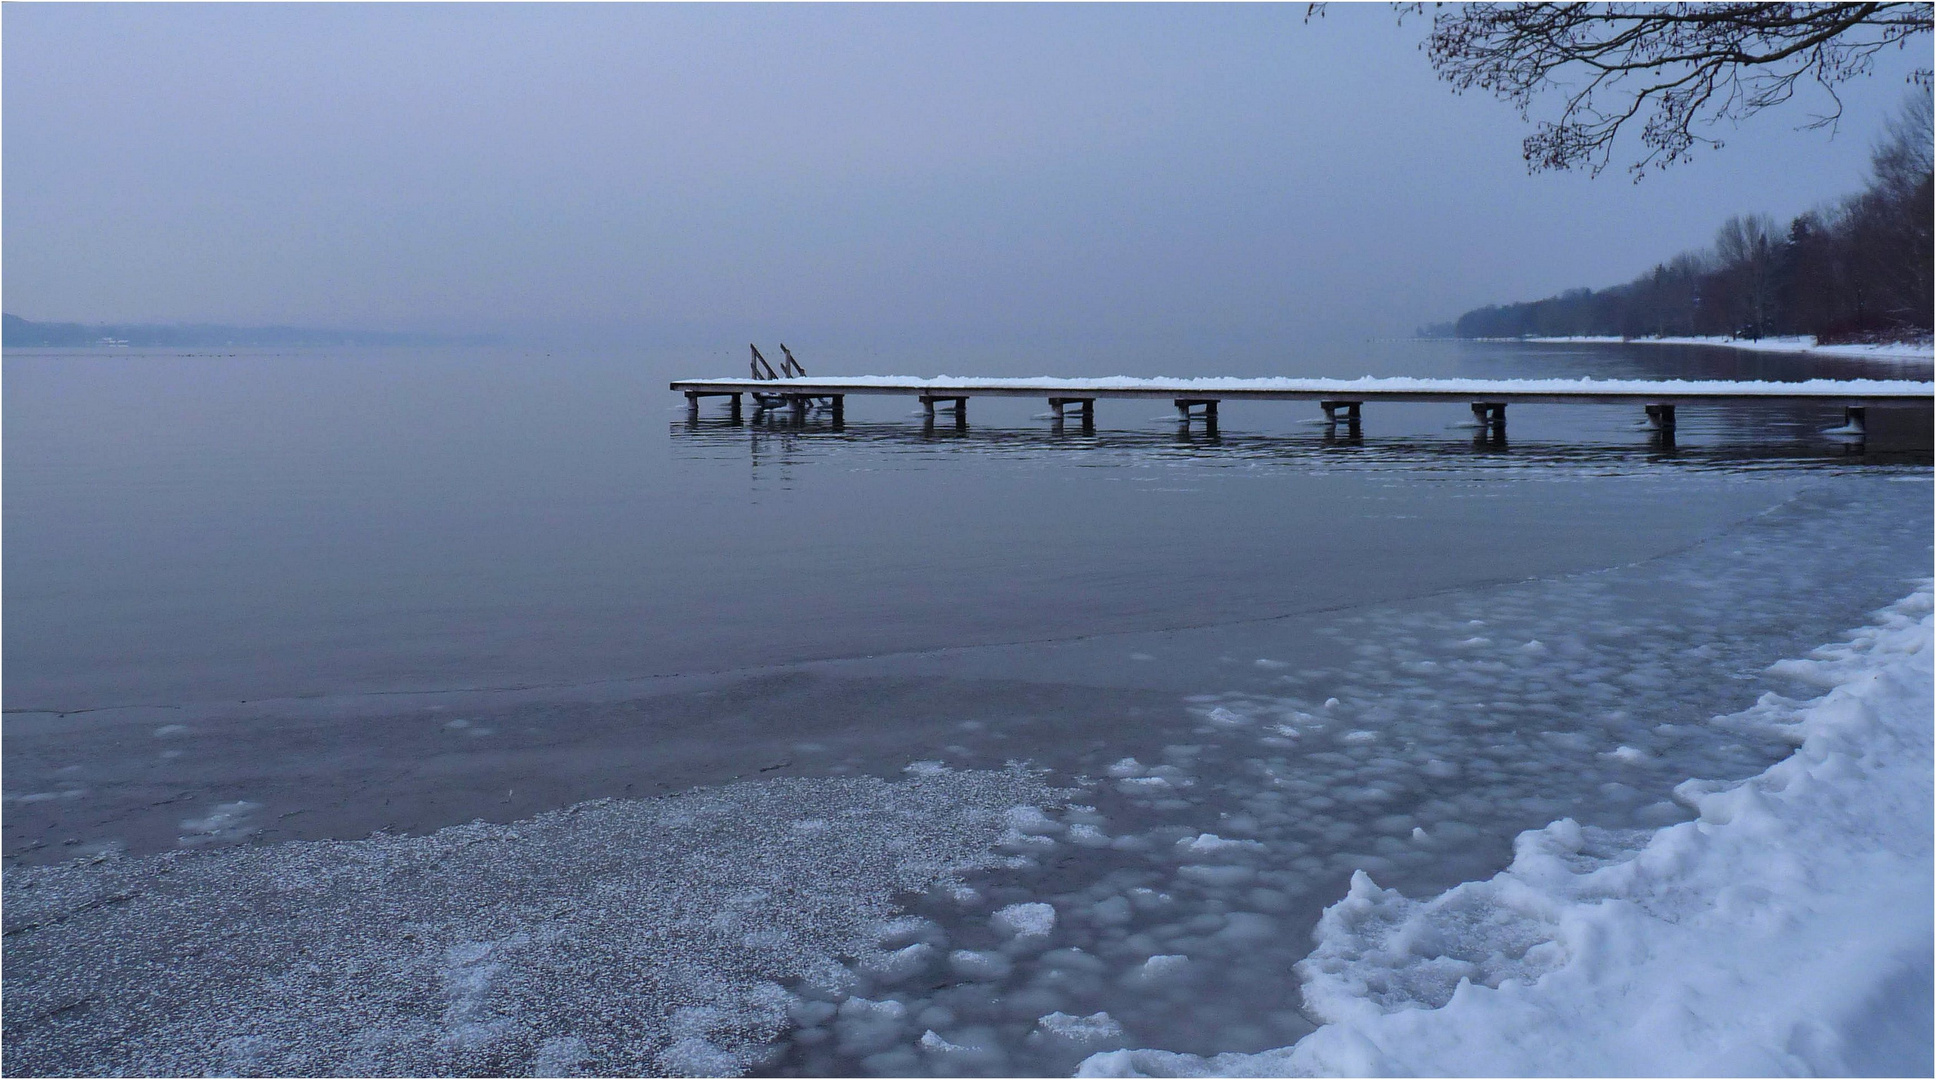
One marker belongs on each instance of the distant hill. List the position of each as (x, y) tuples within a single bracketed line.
[(16, 331)]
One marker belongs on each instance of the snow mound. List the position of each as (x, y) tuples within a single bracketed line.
[(1804, 343), (1786, 931)]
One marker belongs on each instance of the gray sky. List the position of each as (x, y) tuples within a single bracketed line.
[(868, 172)]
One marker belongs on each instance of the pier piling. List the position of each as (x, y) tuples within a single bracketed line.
[(1331, 409), (1057, 404), (1208, 415), (959, 404), (1194, 400), (1490, 414)]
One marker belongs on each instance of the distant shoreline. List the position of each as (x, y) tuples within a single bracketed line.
[(1804, 344), (19, 333)]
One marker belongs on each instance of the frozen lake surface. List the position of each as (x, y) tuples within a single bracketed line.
[(966, 755)]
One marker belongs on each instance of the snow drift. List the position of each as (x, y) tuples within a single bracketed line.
[(1787, 930)]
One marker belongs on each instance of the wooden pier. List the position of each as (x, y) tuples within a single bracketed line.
[(1342, 400)]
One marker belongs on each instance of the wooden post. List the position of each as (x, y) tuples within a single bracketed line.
[(1058, 404), (759, 363), (1490, 414), (692, 407), (790, 366), (960, 404), (736, 413), (1662, 416), (1331, 411), (799, 405), (840, 409), (1856, 418)]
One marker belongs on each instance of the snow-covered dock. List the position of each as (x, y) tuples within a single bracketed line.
[(1341, 399)]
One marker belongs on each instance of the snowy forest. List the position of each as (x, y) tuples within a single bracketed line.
[(1858, 270)]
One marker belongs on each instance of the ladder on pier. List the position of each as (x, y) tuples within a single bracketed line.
[(763, 371)]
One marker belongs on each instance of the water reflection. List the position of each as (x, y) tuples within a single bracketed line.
[(1762, 437)]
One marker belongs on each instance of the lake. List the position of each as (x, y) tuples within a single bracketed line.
[(867, 750)]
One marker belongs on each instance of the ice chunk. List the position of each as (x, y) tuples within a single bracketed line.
[(1211, 842), (985, 966), (1143, 785), (225, 822), (1247, 927), (935, 1044), (1114, 911), (1222, 877), (901, 964), (906, 930), (868, 1027), (1163, 966), (1031, 821), (1087, 836), (1094, 1028), (1025, 920)]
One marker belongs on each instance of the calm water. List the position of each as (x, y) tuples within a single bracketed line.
[(186, 528), (316, 595)]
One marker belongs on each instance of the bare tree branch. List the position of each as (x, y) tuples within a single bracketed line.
[(1677, 69)]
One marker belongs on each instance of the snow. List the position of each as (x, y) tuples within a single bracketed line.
[(1805, 343), (1026, 920), (1785, 931), (1349, 388), (616, 937)]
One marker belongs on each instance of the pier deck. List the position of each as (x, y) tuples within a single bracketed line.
[(1341, 399)]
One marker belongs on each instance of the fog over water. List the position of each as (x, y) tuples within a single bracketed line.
[(1099, 178)]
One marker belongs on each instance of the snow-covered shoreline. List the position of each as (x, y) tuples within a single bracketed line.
[(1786, 931), (1804, 344)]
